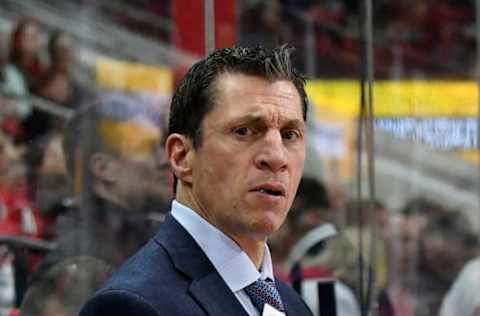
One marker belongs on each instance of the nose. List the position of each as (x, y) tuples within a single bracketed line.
[(272, 154)]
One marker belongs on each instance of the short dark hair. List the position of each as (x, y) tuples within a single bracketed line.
[(194, 97), (312, 195)]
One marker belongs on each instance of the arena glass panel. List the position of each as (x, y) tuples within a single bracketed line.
[(384, 223)]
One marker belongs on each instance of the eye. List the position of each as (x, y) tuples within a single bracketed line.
[(291, 135), (242, 131)]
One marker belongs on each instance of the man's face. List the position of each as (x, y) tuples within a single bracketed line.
[(247, 169), (141, 179)]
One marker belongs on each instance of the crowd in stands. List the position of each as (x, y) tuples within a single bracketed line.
[(32, 175), (411, 38), (26, 73), (54, 209), (419, 251)]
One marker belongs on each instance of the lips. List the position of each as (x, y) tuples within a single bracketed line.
[(271, 188)]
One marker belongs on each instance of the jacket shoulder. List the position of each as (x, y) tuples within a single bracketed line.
[(119, 303), (146, 273), (146, 282)]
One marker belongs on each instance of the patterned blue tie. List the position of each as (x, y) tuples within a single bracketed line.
[(264, 292)]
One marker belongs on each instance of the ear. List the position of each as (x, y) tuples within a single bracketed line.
[(103, 167), (180, 153)]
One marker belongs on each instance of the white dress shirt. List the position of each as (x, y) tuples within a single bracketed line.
[(230, 261)]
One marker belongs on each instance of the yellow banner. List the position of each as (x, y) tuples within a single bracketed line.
[(133, 77), (338, 102), (399, 98)]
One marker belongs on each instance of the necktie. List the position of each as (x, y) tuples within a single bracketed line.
[(263, 292)]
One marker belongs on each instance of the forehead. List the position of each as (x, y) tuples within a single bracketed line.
[(239, 94)]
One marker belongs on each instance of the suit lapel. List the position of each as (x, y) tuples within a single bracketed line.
[(292, 304), (215, 296), (289, 308), (207, 287)]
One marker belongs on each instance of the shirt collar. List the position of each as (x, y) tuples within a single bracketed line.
[(231, 262)]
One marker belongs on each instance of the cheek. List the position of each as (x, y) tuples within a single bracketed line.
[(219, 181), (297, 160), (300, 161), (134, 177), (295, 178), (218, 168)]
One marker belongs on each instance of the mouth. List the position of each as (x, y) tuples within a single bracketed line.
[(271, 189)]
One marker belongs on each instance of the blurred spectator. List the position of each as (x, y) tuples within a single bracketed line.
[(25, 51), (48, 180), (119, 178), (338, 255), (310, 209), (58, 84), (22, 216), (462, 298), (305, 237), (14, 99), (262, 24), (414, 217), (434, 244), (446, 244), (20, 70), (19, 216), (63, 289)]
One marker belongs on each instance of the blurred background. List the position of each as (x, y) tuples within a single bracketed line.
[(387, 214)]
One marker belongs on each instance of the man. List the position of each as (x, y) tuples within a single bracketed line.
[(119, 179), (236, 145)]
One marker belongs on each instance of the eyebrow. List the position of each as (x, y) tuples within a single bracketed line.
[(296, 123), (256, 119)]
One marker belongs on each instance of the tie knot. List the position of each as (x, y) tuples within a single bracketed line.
[(263, 292)]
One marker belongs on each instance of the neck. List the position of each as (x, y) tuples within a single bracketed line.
[(253, 247)]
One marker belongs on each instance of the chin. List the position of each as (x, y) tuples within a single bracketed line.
[(266, 226)]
